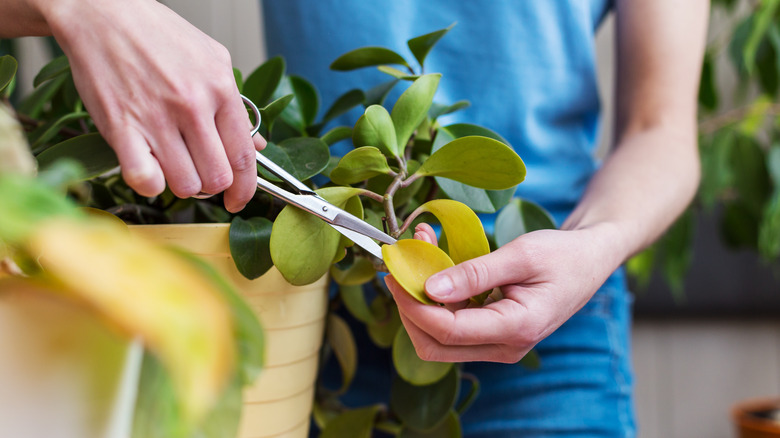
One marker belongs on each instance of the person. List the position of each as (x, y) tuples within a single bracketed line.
[(159, 91)]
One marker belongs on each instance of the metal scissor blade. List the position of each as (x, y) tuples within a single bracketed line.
[(350, 222), (360, 240), (281, 173)]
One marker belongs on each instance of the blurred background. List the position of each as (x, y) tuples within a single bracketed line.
[(706, 331)]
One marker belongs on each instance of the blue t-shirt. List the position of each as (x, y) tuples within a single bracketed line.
[(527, 67)]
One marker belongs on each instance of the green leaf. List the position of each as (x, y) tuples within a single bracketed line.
[(751, 176), (773, 163), (250, 245), (398, 74), (769, 230), (412, 107), (437, 110), (386, 323), (261, 83), (359, 165), (423, 408), (361, 272), (756, 116), (377, 94), (763, 19), (239, 77), (477, 161), (375, 128), (520, 217), (271, 112), (717, 173), (739, 225), (449, 428), (531, 360), (303, 109), (344, 103), (355, 301), (53, 128), (409, 365), (8, 67), (677, 250), (303, 157), (354, 423), (422, 45), (344, 347), (336, 135), (708, 91), (367, 57), (90, 150), (33, 104), (55, 68)]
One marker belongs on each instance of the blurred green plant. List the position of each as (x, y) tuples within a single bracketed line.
[(739, 143)]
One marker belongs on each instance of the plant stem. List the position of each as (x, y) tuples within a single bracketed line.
[(29, 124)]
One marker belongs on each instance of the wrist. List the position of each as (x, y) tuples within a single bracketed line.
[(614, 240)]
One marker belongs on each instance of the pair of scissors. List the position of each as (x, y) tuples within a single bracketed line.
[(357, 230)]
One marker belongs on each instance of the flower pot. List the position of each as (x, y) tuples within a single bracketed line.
[(279, 403), (759, 418)]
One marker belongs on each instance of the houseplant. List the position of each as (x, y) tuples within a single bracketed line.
[(403, 160)]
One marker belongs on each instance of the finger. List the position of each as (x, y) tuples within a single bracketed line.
[(240, 148), (209, 156), (473, 277), (140, 168), (425, 233), (176, 164), (428, 348)]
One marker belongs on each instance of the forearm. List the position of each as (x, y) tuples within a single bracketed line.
[(642, 187), (22, 18)]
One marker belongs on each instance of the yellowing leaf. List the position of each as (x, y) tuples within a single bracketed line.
[(477, 161), (145, 290), (465, 236), (411, 262)]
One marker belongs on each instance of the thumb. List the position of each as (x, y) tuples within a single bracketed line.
[(470, 278)]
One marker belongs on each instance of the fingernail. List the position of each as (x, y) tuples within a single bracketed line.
[(439, 286)]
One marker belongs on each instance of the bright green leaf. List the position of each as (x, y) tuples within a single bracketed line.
[(409, 365), (375, 128), (359, 165), (8, 67), (422, 45), (250, 245), (763, 19), (342, 342), (756, 116), (261, 83), (477, 161), (367, 57), (412, 107), (239, 77), (425, 407), (520, 217), (89, 150)]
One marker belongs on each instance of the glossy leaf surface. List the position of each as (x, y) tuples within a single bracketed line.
[(411, 262), (302, 157), (477, 161), (412, 107), (375, 128), (360, 164), (336, 135), (422, 45), (8, 67), (56, 67), (367, 57), (425, 407), (90, 150), (259, 86), (409, 365), (250, 241), (465, 236), (520, 217)]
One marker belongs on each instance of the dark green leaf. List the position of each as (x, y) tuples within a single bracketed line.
[(751, 177), (344, 347), (376, 128), (261, 83), (763, 19), (739, 226), (354, 423), (53, 128), (301, 156), (8, 67), (677, 247), (33, 104), (56, 67), (250, 245), (398, 74), (717, 173), (422, 45), (344, 103), (773, 163), (271, 112), (520, 217), (336, 135), (355, 301), (409, 365), (737, 44), (90, 150), (239, 78), (378, 94), (708, 91), (437, 110), (303, 109), (156, 413), (449, 428), (769, 230), (367, 57), (412, 107), (386, 321), (425, 407)]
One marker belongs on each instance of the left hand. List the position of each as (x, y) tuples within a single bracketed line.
[(544, 276)]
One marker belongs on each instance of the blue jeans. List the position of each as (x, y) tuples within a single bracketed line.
[(582, 389)]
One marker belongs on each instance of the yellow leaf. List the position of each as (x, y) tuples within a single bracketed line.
[(411, 262), (145, 290), (465, 236)]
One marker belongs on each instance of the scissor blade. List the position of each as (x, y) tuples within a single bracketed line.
[(360, 240), (350, 222)]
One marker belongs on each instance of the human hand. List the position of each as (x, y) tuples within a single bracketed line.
[(163, 95), (544, 278)]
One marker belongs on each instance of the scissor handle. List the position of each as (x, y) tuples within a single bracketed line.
[(248, 102)]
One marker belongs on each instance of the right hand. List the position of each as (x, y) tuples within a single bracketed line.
[(162, 93)]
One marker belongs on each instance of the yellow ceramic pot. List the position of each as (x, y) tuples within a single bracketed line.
[(279, 403)]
